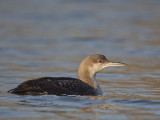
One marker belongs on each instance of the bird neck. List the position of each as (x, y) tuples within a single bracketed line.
[(88, 76)]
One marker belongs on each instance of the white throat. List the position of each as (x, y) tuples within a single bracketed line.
[(93, 70), (95, 81), (96, 85)]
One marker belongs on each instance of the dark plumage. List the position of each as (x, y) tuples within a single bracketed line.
[(54, 85)]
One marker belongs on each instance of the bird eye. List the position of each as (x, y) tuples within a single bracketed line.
[(100, 61)]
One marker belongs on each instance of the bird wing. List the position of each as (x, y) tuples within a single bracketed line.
[(54, 85)]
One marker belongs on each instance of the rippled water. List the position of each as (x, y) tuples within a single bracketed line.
[(50, 38)]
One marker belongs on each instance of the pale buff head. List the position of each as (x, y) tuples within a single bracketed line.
[(93, 64)]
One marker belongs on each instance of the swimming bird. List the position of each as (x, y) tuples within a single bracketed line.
[(86, 84)]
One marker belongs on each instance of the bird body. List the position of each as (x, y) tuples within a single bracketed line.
[(54, 85), (86, 84)]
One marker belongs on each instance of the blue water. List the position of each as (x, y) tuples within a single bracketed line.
[(50, 38)]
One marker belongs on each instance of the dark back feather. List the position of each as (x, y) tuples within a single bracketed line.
[(54, 85)]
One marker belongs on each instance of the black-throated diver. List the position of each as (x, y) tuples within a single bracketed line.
[(86, 84)]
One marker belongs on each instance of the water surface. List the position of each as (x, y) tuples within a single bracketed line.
[(50, 38)]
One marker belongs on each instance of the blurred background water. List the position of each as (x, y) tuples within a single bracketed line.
[(50, 38)]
